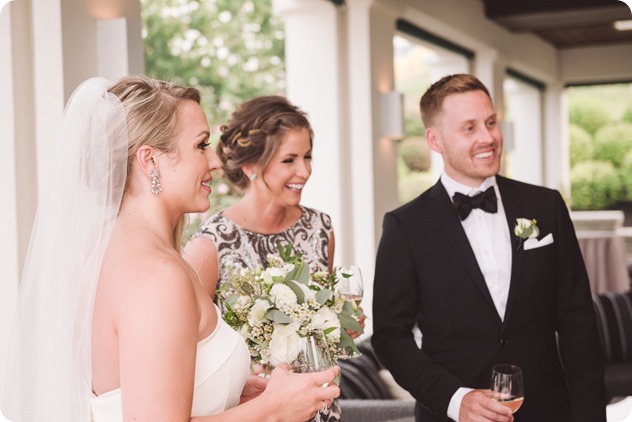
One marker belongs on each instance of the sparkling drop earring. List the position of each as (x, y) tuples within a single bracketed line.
[(156, 187)]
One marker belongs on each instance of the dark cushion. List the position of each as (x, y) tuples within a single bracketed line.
[(360, 376), (614, 325), (618, 379)]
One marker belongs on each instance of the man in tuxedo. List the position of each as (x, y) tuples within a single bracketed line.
[(451, 262)]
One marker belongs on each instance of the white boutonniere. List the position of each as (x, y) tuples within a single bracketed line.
[(526, 229)]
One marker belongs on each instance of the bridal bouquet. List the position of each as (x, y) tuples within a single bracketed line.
[(271, 307)]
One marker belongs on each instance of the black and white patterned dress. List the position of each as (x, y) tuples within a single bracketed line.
[(236, 246)]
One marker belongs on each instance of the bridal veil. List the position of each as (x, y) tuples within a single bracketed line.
[(49, 367)]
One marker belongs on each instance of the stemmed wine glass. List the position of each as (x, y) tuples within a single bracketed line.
[(313, 356), (507, 387), (350, 286)]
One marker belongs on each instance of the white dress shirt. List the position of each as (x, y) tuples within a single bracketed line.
[(488, 235)]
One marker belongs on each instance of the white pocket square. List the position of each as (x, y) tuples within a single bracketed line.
[(533, 243)]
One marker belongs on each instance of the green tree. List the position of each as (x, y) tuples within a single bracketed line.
[(232, 50)]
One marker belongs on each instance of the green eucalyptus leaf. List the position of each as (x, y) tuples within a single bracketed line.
[(300, 295), (278, 316), (323, 296), (350, 323)]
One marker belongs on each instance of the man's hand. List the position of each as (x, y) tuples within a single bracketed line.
[(477, 406)]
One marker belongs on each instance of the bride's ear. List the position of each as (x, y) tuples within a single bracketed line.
[(145, 159)]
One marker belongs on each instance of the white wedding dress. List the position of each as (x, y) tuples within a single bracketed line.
[(221, 368)]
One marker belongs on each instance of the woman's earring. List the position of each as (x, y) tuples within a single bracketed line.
[(252, 176), (156, 187)]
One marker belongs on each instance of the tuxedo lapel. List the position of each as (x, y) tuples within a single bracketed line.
[(512, 202), (448, 219)]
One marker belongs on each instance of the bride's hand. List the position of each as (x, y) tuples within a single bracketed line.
[(254, 386), (303, 394)]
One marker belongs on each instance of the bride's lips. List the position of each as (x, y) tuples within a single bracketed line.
[(206, 185)]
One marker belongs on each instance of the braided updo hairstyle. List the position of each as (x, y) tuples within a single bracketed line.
[(254, 134)]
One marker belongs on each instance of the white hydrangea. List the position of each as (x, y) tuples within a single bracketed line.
[(282, 296), (325, 318), (284, 343), (258, 312)]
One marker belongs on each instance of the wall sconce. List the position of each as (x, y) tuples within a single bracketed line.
[(391, 116)]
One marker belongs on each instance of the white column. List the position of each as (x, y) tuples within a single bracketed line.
[(524, 156), (48, 80), (9, 258), (556, 144), (314, 50)]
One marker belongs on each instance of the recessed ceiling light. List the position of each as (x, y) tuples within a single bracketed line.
[(625, 25)]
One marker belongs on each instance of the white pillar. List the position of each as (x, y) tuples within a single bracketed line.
[(524, 156), (315, 54), (556, 144), (9, 256)]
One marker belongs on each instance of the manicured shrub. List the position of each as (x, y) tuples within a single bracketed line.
[(627, 113), (625, 172), (581, 144), (415, 153), (595, 185), (588, 113), (612, 142)]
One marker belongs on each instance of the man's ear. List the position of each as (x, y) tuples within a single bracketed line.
[(145, 159), (433, 140)]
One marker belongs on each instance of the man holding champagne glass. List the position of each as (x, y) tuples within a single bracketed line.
[(491, 272)]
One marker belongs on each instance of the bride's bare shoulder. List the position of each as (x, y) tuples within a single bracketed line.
[(135, 270)]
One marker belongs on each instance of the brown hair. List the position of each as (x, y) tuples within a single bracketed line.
[(254, 134), (151, 108), (432, 100)]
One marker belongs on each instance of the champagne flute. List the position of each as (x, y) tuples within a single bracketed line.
[(507, 387), (313, 356), (350, 286)]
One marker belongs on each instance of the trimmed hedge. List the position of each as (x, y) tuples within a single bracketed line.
[(580, 143), (415, 153), (625, 173), (595, 185), (612, 142), (588, 113)]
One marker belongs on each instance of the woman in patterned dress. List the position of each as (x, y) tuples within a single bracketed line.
[(266, 151)]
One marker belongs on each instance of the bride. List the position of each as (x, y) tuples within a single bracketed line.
[(112, 324)]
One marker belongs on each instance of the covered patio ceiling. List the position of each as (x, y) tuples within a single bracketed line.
[(564, 23)]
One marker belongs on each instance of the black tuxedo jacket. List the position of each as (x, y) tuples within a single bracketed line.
[(426, 273)]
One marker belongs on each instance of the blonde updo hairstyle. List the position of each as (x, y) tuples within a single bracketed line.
[(151, 108), (254, 134)]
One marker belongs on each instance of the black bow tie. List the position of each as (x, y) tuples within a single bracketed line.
[(484, 200)]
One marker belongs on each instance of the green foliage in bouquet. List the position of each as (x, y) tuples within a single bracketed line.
[(272, 306)]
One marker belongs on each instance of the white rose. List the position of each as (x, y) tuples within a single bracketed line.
[(282, 296), (284, 343), (325, 318), (258, 312), (524, 224)]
